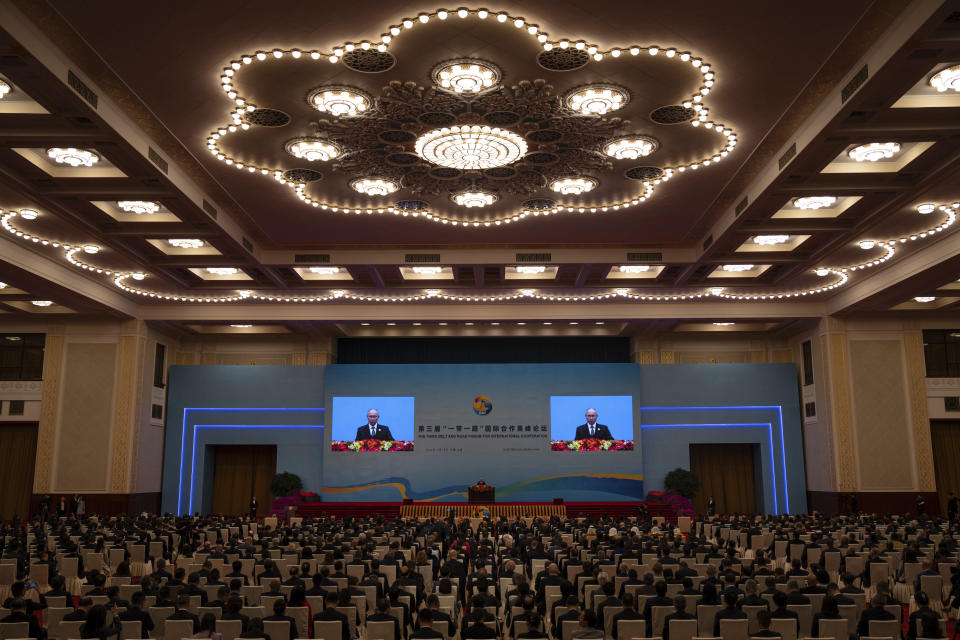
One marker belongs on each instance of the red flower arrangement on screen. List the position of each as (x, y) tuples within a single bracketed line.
[(372, 444), (591, 444)]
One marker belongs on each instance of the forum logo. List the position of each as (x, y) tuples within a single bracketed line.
[(482, 405)]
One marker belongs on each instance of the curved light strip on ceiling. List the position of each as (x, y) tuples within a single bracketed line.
[(842, 275)]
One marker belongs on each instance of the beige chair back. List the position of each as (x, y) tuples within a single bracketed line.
[(14, 630), (177, 629), (159, 616), (752, 611), (628, 629), (326, 630), (885, 629), (382, 630), (70, 629), (683, 629), (830, 628), (849, 613), (277, 629), (230, 629), (805, 615), (706, 613), (302, 616), (657, 614), (131, 630), (608, 613), (734, 629)]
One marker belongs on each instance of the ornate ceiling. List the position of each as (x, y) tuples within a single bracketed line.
[(531, 156)]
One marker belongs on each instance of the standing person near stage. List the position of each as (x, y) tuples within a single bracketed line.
[(592, 429), (921, 505), (711, 507), (953, 505), (373, 429), (253, 507)]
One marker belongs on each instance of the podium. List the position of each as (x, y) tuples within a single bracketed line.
[(480, 494)]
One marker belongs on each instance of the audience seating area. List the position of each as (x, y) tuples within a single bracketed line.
[(615, 578)]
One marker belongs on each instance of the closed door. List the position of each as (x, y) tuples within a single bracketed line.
[(945, 436), (240, 472), (18, 442), (726, 472)]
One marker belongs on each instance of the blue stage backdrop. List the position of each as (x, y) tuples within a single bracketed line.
[(489, 421)]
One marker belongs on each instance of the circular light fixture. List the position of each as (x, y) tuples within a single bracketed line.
[(223, 271), (28, 214), (91, 248), (312, 149), (573, 186), (945, 79), (466, 76), (596, 99), (631, 148), (138, 206), (325, 271), (866, 245), (339, 101), (925, 298), (138, 275), (4, 89), (814, 202), (874, 151), (471, 147), (41, 303), (73, 156), (3, 285), (716, 290), (374, 186), (924, 208), (634, 268), (531, 269), (738, 268), (474, 198), (771, 240), (823, 272), (185, 243)]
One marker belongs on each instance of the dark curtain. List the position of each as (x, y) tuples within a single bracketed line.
[(945, 436), (18, 449), (726, 472), (481, 350), (240, 472)]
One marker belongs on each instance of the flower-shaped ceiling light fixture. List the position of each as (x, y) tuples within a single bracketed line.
[(4, 89), (631, 148), (357, 121), (466, 76), (597, 99), (73, 156), (471, 147), (573, 186), (138, 206), (874, 151), (339, 101), (374, 186), (474, 198), (946, 79), (814, 202), (312, 149), (185, 243)]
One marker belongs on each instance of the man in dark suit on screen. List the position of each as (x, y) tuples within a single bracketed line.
[(592, 429), (373, 429)]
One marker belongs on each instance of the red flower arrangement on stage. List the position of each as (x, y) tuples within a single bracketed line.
[(372, 444), (591, 444)]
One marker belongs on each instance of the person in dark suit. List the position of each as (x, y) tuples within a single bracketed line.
[(18, 613), (874, 612), (383, 615), (729, 613), (182, 613), (628, 613), (478, 629), (280, 615), (330, 614), (659, 600), (373, 429), (253, 507), (426, 630), (592, 429), (83, 606), (135, 613), (763, 621), (679, 613)]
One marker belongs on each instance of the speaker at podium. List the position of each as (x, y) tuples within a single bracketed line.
[(480, 493)]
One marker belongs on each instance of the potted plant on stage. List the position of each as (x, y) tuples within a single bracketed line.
[(285, 487), (681, 486)]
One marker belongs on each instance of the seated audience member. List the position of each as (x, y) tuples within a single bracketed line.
[(330, 614), (929, 620), (255, 630), (874, 612), (208, 628), (95, 626), (477, 628), (135, 613), (18, 613), (763, 621), (589, 627), (280, 615), (426, 630), (83, 607), (829, 611), (730, 612), (679, 613)]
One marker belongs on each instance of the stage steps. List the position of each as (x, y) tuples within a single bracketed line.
[(495, 510), (462, 509)]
